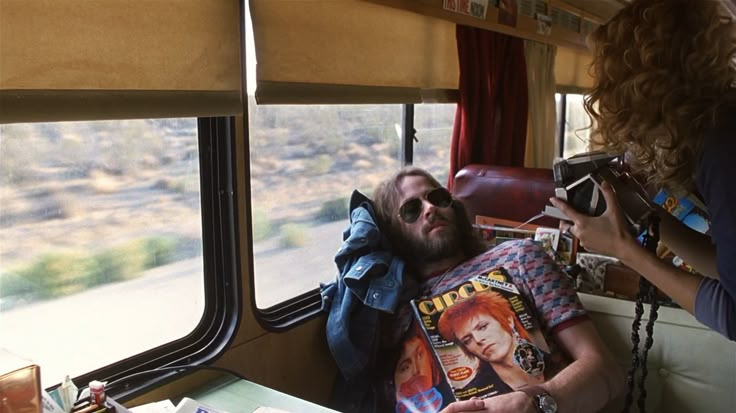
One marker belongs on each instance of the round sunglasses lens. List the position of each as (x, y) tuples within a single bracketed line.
[(440, 197), (411, 210)]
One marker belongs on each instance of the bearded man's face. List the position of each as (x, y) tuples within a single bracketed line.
[(434, 235)]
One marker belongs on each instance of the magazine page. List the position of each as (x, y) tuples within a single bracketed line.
[(418, 381), (484, 336)]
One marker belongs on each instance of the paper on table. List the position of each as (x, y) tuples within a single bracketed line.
[(265, 409), (163, 406), (187, 405), (49, 404)]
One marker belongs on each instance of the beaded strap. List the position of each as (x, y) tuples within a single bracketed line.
[(647, 293)]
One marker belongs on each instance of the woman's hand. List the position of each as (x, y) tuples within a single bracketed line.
[(515, 402), (607, 234)]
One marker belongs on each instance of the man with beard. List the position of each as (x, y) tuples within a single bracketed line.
[(431, 232)]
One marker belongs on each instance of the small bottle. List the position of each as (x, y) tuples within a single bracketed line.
[(97, 392)]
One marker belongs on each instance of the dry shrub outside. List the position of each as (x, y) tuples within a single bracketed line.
[(102, 183)]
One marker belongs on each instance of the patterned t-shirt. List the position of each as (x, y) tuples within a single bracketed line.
[(550, 295)]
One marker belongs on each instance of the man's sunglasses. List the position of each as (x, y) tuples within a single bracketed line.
[(412, 208)]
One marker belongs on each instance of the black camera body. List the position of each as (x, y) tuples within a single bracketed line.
[(578, 180), (576, 183)]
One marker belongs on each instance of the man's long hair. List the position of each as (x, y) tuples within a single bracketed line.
[(386, 198), (663, 69)]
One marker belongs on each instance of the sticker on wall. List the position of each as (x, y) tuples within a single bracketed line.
[(507, 12), (473, 8), (544, 24)]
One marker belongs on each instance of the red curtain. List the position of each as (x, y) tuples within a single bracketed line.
[(491, 116)]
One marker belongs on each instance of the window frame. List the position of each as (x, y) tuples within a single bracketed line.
[(561, 119), (301, 308), (304, 307), (135, 375)]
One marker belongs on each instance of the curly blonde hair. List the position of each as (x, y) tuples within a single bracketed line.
[(663, 70)]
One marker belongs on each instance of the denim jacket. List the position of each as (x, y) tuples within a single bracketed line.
[(369, 281)]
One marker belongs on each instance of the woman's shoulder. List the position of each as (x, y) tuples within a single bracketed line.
[(722, 131), (717, 159)]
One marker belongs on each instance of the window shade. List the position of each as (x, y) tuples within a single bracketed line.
[(351, 51), (571, 68), (118, 54), (349, 43)]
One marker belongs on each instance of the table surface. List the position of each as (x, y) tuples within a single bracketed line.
[(235, 395)]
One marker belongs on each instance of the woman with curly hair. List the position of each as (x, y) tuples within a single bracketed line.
[(664, 95)]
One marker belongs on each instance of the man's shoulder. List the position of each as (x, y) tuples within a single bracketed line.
[(513, 248), (524, 260), (510, 254)]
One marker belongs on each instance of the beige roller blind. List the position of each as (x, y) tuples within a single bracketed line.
[(571, 68), (342, 51), (573, 57), (302, 45), (118, 59)]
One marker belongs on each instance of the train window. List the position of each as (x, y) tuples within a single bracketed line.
[(433, 123), (100, 228), (305, 160), (573, 124)]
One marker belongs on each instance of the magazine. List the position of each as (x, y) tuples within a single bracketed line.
[(497, 230), (687, 209), (483, 336), (481, 220), (561, 247)]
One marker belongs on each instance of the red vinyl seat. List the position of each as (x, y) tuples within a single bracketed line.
[(512, 193)]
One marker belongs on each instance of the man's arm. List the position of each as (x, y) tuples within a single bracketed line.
[(592, 379)]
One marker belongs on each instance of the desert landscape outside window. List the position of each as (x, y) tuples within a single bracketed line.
[(577, 124), (100, 225), (305, 162)]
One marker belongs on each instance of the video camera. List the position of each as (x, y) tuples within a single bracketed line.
[(578, 180)]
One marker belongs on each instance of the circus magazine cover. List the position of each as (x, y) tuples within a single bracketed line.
[(483, 337)]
